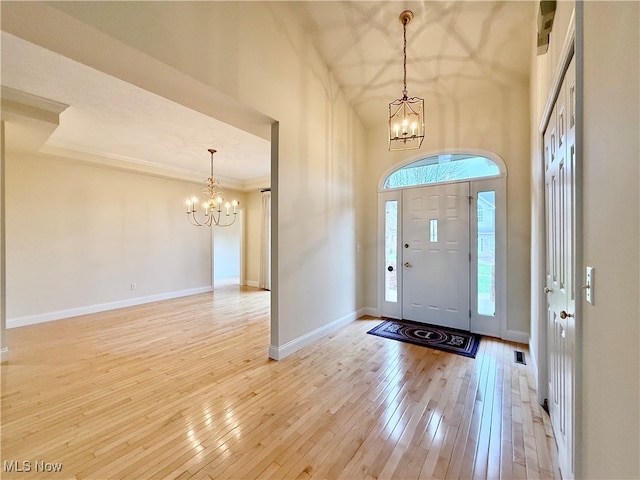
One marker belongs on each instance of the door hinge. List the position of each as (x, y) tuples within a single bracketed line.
[(469, 313), (470, 200), (469, 256)]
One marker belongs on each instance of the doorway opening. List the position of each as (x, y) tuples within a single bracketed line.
[(442, 241), (228, 248)]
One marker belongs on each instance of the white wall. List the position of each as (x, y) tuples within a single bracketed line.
[(610, 394), (259, 57), (78, 235), (497, 122)]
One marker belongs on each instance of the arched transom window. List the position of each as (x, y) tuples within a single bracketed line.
[(442, 168)]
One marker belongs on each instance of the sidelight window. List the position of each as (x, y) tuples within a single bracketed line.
[(390, 251), (486, 236)]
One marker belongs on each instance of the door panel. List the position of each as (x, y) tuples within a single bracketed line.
[(436, 255), (559, 162)]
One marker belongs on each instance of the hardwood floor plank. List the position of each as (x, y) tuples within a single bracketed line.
[(184, 389)]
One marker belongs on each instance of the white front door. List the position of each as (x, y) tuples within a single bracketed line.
[(559, 164), (435, 255)]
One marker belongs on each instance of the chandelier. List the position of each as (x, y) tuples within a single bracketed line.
[(406, 119), (216, 211)]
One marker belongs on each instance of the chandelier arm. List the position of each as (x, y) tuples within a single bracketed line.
[(228, 224), (193, 220)]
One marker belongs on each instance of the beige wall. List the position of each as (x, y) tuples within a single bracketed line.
[(252, 237), (497, 122), (100, 229), (4, 353), (610, 393), (78, 235), (260, 60)]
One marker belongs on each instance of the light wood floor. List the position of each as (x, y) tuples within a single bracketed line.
[(184, 389)]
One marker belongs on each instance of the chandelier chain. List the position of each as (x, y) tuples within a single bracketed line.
[(404, 51)]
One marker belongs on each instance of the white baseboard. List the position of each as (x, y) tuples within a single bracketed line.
[(252, 283), (533, 362), (279, 353), (4, 355), (101, 307), (517, 336)]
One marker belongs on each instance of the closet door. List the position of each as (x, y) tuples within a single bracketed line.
[(559, 163)]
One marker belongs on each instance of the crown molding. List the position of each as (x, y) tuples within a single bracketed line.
[(18, 103), (121, 162)]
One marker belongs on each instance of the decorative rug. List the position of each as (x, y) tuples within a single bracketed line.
[(441, 338)]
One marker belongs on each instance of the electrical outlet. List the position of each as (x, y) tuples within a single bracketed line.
[(588, 286), (133, 286)]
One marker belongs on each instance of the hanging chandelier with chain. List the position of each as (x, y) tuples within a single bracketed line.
[(217, 212), (406, 114)]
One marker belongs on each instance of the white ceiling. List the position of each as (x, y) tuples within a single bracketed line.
[(454, 50)]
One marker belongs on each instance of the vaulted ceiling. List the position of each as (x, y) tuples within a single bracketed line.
[(454, 50)]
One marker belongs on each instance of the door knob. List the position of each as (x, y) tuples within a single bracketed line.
[(390, 268), (564, 314), (547, 290), (407, 264)]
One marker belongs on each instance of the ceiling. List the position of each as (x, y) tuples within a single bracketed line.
[(454, 50), (110, 121)]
